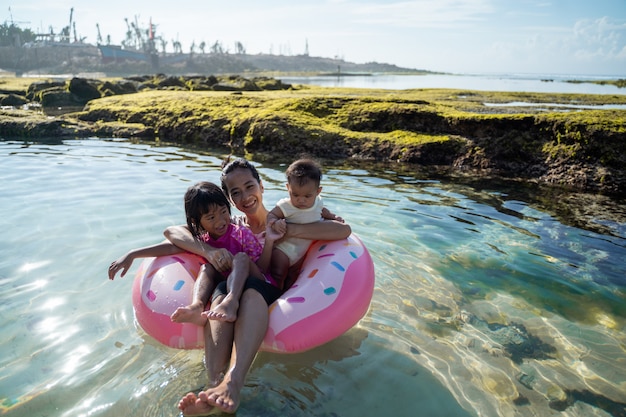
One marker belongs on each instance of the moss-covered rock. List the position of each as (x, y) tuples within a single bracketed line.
[(584, 149), (11, 99)]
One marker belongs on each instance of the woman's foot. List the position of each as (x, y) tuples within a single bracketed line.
[(191, 405), (225, 396)]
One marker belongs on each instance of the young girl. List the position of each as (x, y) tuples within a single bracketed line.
[(208, 217)]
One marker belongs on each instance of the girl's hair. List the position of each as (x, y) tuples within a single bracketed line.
[(199, 198), (239, 163), (304, 170)]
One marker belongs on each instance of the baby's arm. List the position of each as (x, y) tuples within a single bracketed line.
[(125, 262)]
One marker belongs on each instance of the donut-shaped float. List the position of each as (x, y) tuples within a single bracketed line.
[(162, 285), (331, 294)]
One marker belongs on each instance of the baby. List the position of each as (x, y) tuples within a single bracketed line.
[(304, 205)]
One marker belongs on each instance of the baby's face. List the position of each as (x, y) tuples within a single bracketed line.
[(302, 196)]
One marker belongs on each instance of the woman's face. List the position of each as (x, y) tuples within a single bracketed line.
[(244, 191)]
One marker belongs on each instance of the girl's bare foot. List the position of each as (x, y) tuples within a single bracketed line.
[(189, 314), (224, 311)]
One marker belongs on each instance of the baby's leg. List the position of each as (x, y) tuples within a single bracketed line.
[(205, 284), (279, 266), (292, 274), (227, 309)]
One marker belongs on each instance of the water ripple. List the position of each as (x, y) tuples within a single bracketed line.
[(487, 300)]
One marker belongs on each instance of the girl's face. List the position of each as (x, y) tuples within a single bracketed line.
[(215, 221), (302, 196), (244, 191)]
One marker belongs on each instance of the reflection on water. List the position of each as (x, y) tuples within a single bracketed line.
[(491, 298), (536, 83)]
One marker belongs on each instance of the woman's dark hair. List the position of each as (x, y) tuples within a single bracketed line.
[(199, 198), (239, 163)]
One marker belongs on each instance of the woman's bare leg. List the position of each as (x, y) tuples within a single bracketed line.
[(218, 343), (249, 331)]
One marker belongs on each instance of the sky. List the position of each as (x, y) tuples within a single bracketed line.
[(577, 37)]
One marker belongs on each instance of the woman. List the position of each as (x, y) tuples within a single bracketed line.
[(243, 186), (240, 340)]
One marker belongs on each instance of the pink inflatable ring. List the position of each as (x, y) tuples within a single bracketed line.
[(331, 294)]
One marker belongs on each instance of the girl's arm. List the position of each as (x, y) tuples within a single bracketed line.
[(181, 236), (125, 262)]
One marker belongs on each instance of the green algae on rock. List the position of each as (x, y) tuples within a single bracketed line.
[(583, 149)]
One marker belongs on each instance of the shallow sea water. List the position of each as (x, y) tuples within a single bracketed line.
[(538, 83), (487, 302)]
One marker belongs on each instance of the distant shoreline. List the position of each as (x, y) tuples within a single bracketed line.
[(601, 80)]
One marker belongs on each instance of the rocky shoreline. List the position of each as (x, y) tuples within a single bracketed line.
[(547, 143)]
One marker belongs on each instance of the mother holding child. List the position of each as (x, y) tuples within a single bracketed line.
[(237, 321)]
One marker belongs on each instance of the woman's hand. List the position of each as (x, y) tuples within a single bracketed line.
[(220, 259), (275, 229)]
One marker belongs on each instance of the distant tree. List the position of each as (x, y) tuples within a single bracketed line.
[(163, 44), (217, 48), (178, 48), (202, 46), (12, 35), (239, 48), (192, 48)]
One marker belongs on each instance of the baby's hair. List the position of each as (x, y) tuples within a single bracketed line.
[(199, 198), (304, 170), (229, 166)]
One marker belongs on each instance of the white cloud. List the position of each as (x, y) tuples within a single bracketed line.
[(424, 13), (602, 38)]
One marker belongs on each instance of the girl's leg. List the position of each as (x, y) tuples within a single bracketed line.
[(226, 310), (203, 288)]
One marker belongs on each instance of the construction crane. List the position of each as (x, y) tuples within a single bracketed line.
[(69, 28), (12, 21), (99, 34)]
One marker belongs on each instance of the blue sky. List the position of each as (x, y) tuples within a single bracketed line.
[(461, 36)]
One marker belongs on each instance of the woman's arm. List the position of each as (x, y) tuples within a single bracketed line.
[(276, 220), (221, 259), (271, 236), (328, 215), (324, 230)]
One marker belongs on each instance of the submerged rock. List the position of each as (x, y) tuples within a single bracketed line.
[(514, 339)]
